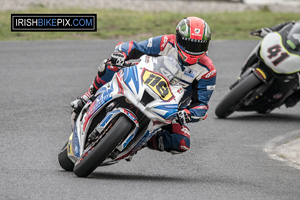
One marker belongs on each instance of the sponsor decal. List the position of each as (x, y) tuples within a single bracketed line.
[(210, 74), (277, 96), (185, 130), (164, 43), (150, 41), (180, 90), (210, 87), (189, 72), (197, 33)]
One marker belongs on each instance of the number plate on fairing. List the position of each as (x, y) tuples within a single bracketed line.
[(277, 57), (158, 84)]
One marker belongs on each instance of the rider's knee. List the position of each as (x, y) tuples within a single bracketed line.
[(182, 135), (173, 142)]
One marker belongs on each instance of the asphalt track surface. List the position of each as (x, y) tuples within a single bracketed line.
[(226, 160)]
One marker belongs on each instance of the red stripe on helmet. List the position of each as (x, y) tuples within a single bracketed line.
[(198, 28)]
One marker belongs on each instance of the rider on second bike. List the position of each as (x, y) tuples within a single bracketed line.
[(292, 44)]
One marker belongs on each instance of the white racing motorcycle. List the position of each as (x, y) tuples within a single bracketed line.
[(124, 114), (269, 76)]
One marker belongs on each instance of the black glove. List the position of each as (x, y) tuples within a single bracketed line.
[(261, 32), (118, 58), (183, 116), (78, 104)]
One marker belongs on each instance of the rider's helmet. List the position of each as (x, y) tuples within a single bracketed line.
[(192, 39), (293, 38)]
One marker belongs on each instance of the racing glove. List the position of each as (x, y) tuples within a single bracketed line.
[(78, 104), (183, 116), (118, 58), (261, 32)]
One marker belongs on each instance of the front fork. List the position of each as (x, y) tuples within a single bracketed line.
[(73, 144), (260, 71)]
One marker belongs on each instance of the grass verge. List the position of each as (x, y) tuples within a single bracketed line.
[(124, 24)]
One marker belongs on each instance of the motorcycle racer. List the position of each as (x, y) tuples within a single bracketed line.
[(291, 43), (189, 46)]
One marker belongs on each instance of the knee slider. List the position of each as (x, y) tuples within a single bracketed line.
[(183, 147)]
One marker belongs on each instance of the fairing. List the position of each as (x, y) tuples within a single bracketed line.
[(152, 76)]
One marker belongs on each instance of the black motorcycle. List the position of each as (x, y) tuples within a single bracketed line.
[(269, 76)]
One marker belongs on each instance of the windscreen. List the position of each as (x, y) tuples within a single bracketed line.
[(168, 67), (293, 38)]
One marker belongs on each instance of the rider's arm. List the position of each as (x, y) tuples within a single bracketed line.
[(153, 46), (203, 88), (280, 26), (264, 31), (202, 91)]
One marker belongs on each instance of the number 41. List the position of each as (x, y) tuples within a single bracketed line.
[(274, 51)]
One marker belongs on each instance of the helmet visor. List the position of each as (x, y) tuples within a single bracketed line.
[(192, 46)]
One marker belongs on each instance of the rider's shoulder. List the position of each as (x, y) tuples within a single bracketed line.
[(167, 38), (206, 62), (208, 70)]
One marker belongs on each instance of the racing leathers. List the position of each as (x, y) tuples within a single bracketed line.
[(198, 81)]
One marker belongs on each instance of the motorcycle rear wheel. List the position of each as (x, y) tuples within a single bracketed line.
[(228, 104), (105, 147), (64, 161)]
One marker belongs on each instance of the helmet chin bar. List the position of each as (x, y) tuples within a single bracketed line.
[(185, 59)]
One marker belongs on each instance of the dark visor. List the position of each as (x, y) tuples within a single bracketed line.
[(191, 46)]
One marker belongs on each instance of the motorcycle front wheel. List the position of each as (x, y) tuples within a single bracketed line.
[(105, 147), (229, 103), (64, 161)]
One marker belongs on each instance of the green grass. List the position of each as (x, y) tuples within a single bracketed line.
[(124, 24)]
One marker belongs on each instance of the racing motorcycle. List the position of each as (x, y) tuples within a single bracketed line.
[(123, 115), (268, 77)]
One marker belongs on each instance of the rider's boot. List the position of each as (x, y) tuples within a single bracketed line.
[(293, 99), (156, 142), (79, 103), (104, 74), (173, 138), (152, 144)]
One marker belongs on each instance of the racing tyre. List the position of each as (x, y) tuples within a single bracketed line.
[(64, 161), (229, 103), (105, 147)]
